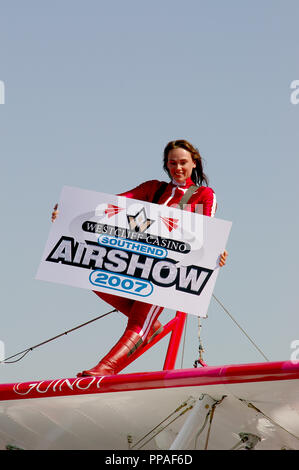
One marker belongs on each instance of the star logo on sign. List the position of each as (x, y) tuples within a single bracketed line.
[(139, 222)]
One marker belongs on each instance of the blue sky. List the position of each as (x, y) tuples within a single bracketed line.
[(93, 92)]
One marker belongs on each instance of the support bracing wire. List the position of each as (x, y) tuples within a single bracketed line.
[(26, 351), (239, 326), (166, 422)]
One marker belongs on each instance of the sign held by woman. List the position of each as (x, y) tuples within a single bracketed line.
[(136, 249)]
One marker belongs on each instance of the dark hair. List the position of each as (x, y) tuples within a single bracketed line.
[(198, 177)]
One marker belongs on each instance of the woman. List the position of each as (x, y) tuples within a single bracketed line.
[(183, 164)]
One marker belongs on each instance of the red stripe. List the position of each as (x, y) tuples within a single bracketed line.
[(227, 374)]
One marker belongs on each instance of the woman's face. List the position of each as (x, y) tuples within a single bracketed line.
[(180, 165)]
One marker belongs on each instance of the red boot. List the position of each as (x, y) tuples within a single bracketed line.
[(118, 357)]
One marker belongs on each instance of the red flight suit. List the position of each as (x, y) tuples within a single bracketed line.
[(142, 317)]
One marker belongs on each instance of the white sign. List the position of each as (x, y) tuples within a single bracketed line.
[(148, 252)]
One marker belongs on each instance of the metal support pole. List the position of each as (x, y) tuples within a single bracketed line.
[(194, 422), (174, 342)]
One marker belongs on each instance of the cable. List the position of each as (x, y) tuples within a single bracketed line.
[(26, 351), (160, 430), (201, 429), (239, 326), (183, 405), (209, 428), (251, 405)]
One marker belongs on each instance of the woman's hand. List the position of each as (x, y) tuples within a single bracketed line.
[(55, 213), (223, 257)]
